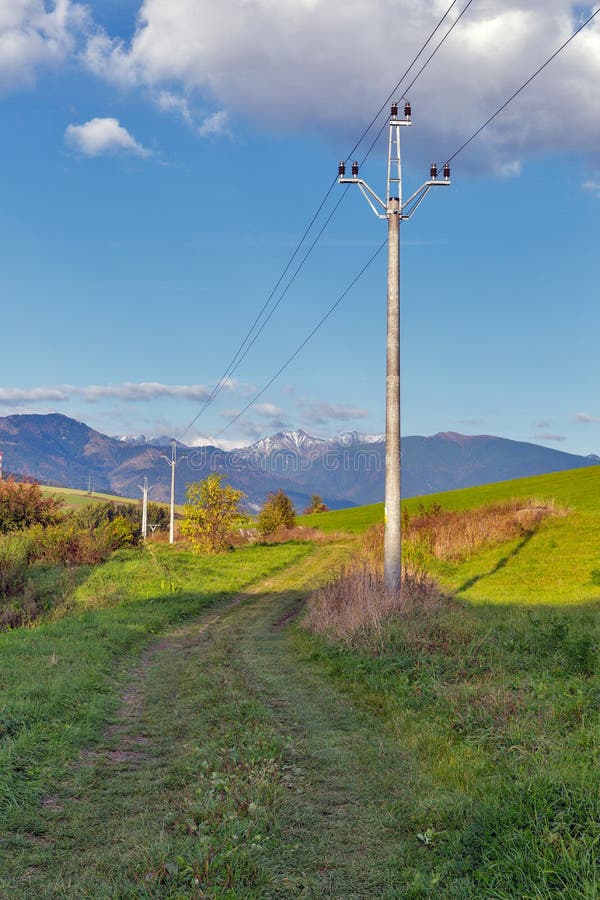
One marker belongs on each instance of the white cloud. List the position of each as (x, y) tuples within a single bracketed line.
[(549, 437), (585, 418), (32, 36), (326, 67), (593, 186), (169, 102), (269, 410), (215, 124), (9, 396), (322, 413), (99, 136), (128, 392)]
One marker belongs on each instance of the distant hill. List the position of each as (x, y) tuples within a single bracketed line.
[(346, 472)]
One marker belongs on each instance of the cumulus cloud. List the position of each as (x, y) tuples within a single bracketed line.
[(33, 36), (128, 392), (100, 136), (323, 66), (322, 413)]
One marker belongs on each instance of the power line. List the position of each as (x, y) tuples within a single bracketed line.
[(298, 350), (405, 75), (380, 248), (416, 77), (244, 347), (523, 86)]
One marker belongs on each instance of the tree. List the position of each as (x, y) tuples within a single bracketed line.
[(277, 512), (212, 514), (316, 505)]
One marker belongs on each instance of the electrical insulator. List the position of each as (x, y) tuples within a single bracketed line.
[(407, 110), (355, 169), (434, 170), (447, 171), (342, 169), (394, 110)]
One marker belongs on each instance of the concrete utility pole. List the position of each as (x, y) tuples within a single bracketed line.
[(144, 489), (173, 463), (394, 209)]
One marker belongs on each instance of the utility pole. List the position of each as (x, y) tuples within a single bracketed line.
[(90, 484), (144, 489), (395, 210), (173, 463)]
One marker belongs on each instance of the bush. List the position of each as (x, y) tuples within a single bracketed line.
[(277, 513), (23, 504), (15, 554), (316, 506), (68, 544), (212, 515)]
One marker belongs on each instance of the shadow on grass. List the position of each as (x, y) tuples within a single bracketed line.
[(502, 562)]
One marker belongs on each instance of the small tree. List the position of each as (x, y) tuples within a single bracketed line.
[(316, 505), (277, 512), (212, 514)]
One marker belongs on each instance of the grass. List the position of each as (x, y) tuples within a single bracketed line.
[(558, 563), (75, 499), (62, 678), (499, 706), (451, 752)]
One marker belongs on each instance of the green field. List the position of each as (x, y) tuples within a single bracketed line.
[(72, 498), (559, 564), (163, 738)]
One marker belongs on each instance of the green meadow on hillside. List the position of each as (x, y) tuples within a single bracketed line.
[(557, 563), (73, 498), (446, 751)]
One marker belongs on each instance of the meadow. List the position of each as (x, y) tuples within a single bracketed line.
[(445, 745)]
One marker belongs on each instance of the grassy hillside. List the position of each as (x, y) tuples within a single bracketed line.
[(557, 564), (73, 498)]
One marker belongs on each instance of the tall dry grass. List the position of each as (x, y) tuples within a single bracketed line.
[(356, 605), (455, 535)]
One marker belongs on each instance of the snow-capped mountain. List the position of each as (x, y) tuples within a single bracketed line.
[(298, 442), (360, 437), (346, 471)]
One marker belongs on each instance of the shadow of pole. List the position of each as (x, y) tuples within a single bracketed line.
[(501, 562)]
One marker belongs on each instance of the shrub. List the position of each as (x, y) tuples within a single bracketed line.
[(15, 555), (316, 506), (277, 512), (23, 504), (212, 515)]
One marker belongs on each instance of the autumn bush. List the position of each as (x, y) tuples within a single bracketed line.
[(23, 504)]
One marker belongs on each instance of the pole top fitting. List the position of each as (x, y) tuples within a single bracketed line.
[(355, 169), (407, 110), (342, 169), (433, 171), (447, 171), (394, 110)]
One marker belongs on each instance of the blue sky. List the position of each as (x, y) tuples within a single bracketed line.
[(160, 160)]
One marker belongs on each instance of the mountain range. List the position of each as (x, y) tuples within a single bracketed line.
[(347, 471)]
